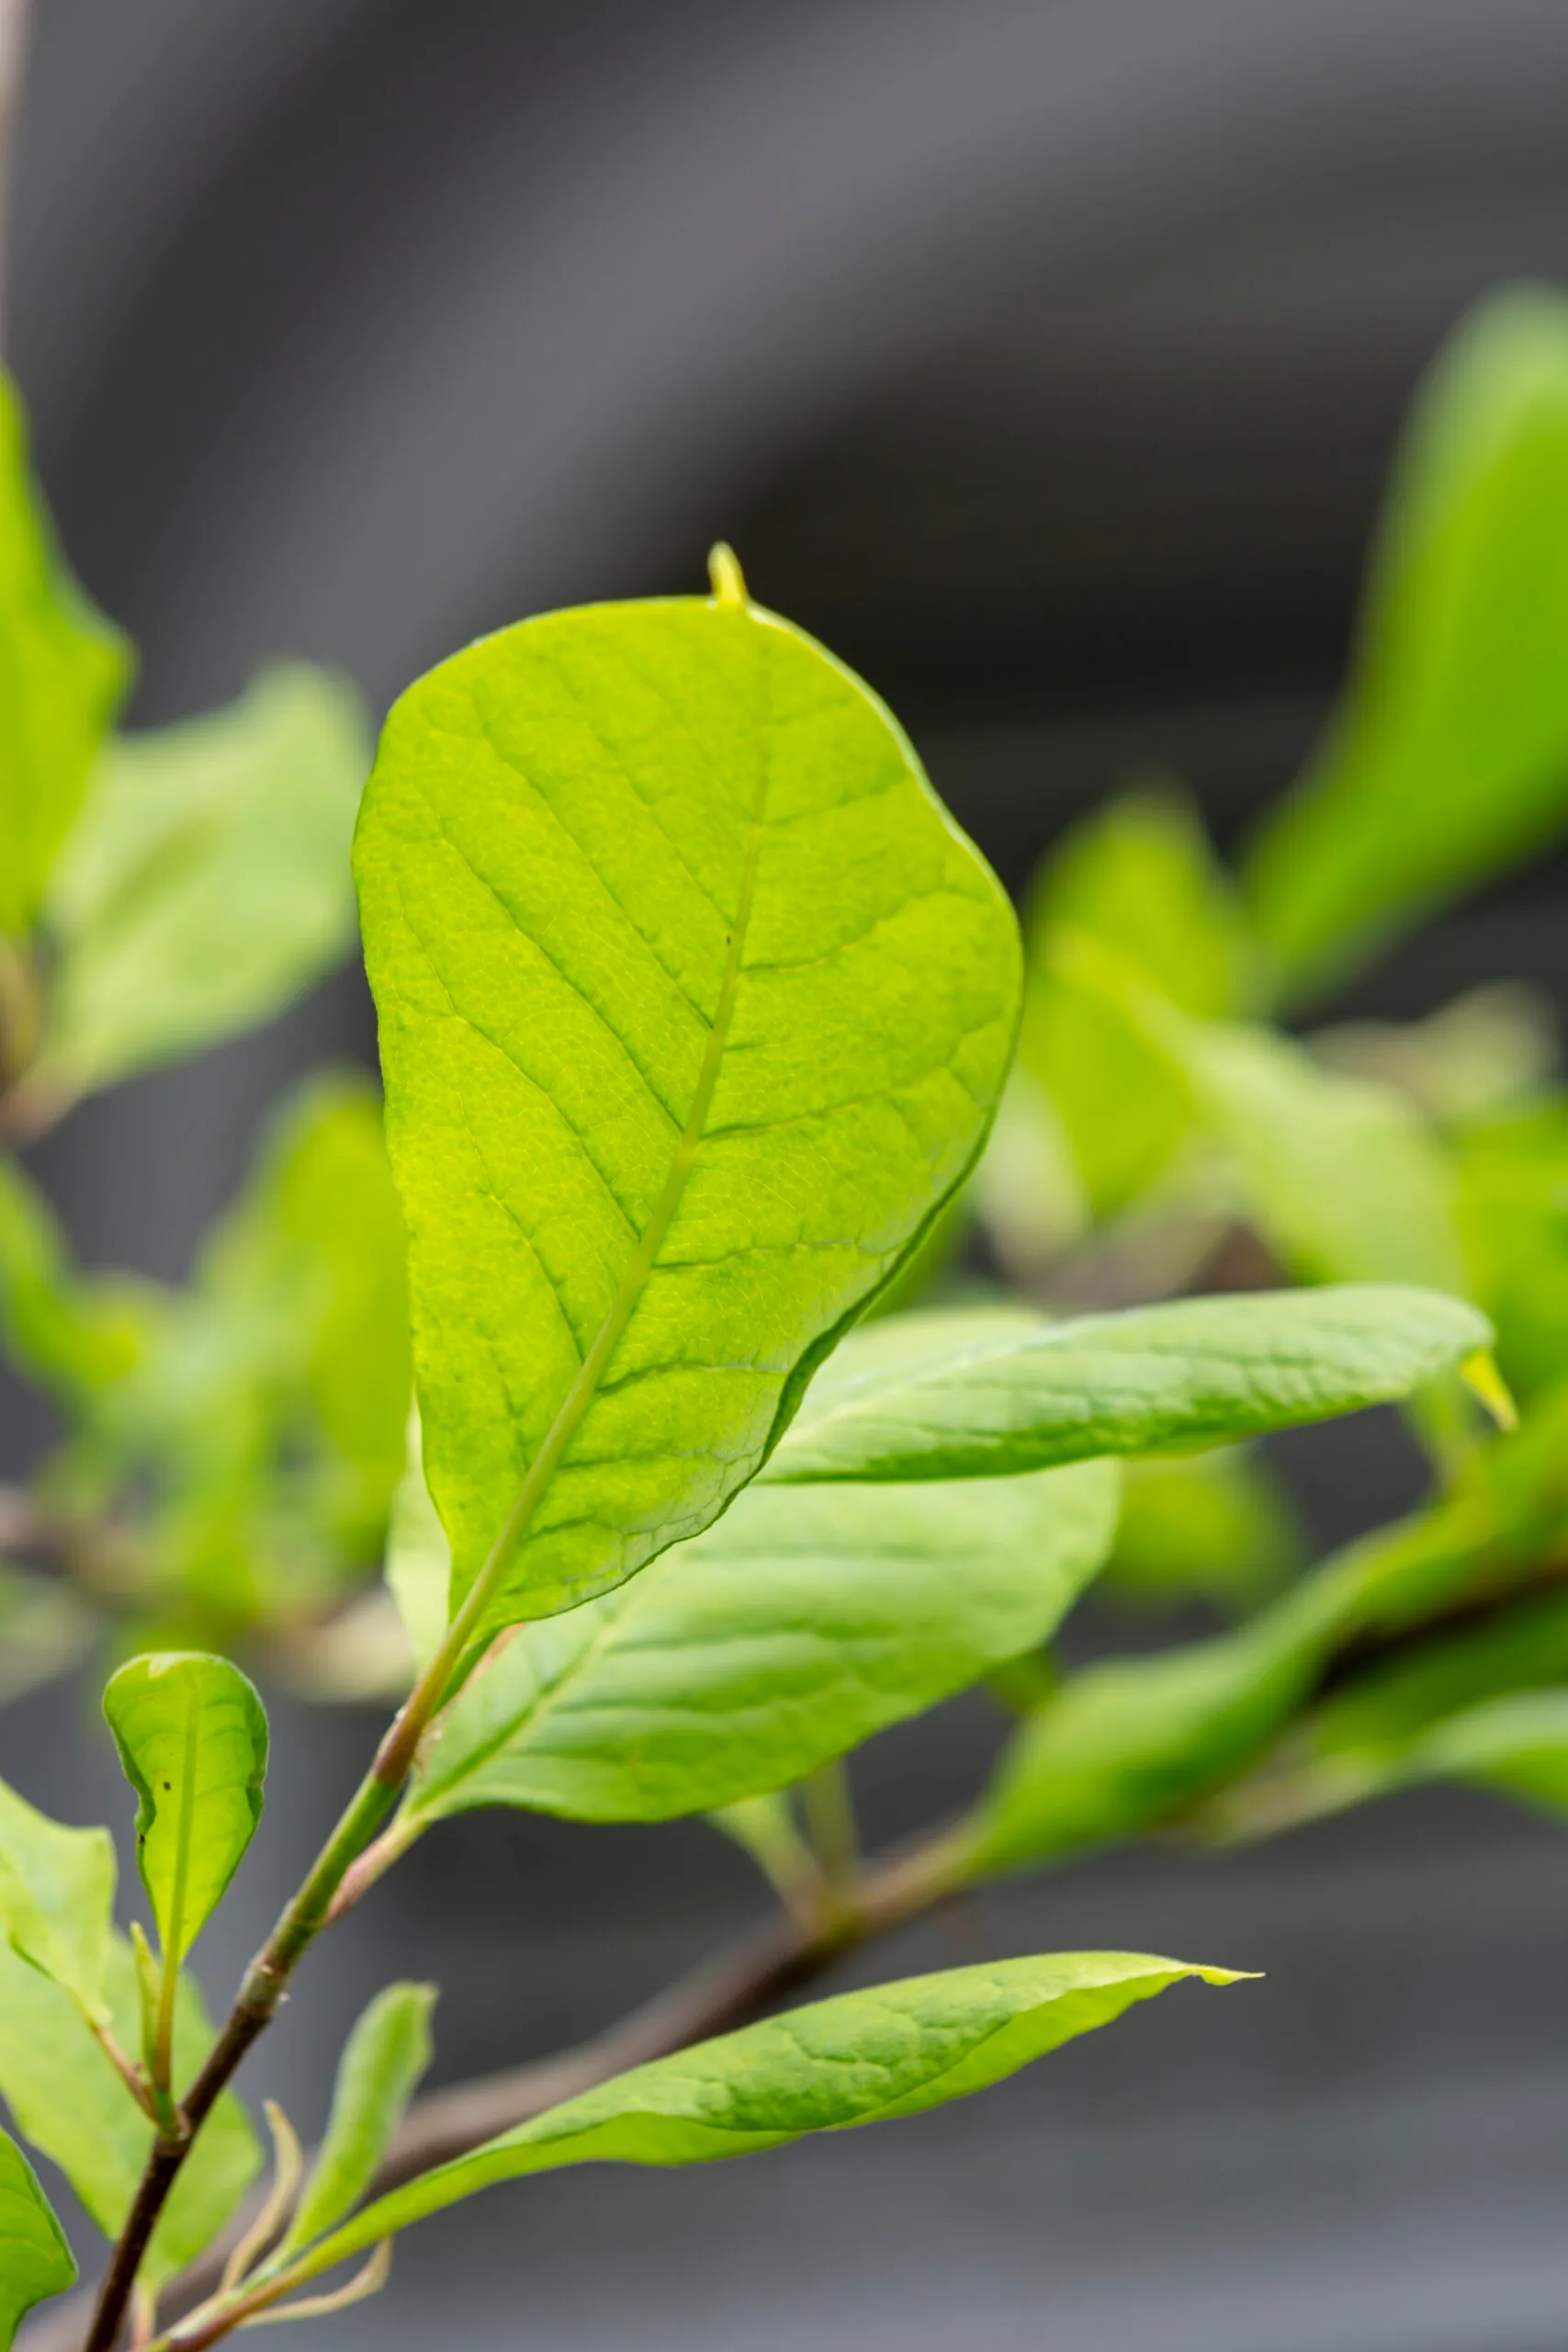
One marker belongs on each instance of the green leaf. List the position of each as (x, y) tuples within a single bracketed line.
[(57, 1898), (1342, 1178), (77, 1335), (45, 1631), (35, 2261), (862, 2058), (1517, 1746), (997, 1390), (1218, 1526), (1139, 878), (208, 881), (192, 1737), (805, 1621), (383, 2060), (1513, 1214), (66, 2098), (1449, 759), (1126, 1747), (419, 1558), (64, 672), (694, 1008)]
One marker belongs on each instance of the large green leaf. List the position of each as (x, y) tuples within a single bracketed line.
[(805, 1621), (66, 2098), (192, 1737), (1449, 758), (35, 2261), (62, 670), (208, 881), (1339, 1174), (694, 1008), (997, 1389), (1140, 879), (57, 1898), (382, 2062), (863, 2058)]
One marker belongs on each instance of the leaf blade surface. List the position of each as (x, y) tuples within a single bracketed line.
[(35, 2260)]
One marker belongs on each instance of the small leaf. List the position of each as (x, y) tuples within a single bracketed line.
[(35, 2261), (862, 2058), (1218, 1526), (1513, 1180), (208, 881), (45, 1630), (801, 1623), (192, 1737), (1340, 1175), (1140, 878), (1517, 1745), (64, 673), (997, 1390), (66, 2098), (75, 1334), (694, 1008), (419, 1558), (382, 2063), (57, 1898), (1449, 759)]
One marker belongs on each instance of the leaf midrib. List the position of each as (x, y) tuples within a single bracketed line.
[(584, 1388)]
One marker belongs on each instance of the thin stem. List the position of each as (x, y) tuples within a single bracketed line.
[(130, 2075), (829, 1816)]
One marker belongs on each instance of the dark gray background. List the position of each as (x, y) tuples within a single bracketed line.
[(1045, 359)]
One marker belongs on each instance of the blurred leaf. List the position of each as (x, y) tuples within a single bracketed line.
[(1517, 1746), (419, 1558), (382, 2063), (1026, 1188), (57, 1898), (65, 2097), (44, 1631), (1482, 1052), (192, 1737), (35, 2261), (786, 1635), (992, 1390), (63, 674), (694, 1008), (862, 2058), (75, 1334), (208, 881), (1449, 758), (1513, 1216), (1342, 1177), (1212, 1526), (1139, 879)]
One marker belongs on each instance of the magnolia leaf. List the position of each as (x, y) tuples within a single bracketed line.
[(1122, 1748), (35, 2261), (75, 1334), (1140, 878), (991, 1390), (383, 2060), (1218, 1526), (64, 672), (1449, 759), (694, 1007), (802, 1622), (45, 1630), (57, 1898), (208, 881), (862, 2058), (192, 1737), (1341, 1176), (1517, 1745), (419, 1558), (1513, 1182), (65, 2097)]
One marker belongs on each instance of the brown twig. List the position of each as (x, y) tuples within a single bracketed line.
[(14, 16)]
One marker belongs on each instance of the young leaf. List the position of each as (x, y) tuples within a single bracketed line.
[(381, 2065), (76, 1334), (694, 1008), (35, 2261), (1341, 1176), (1517, 1745), (192, 1737), (65, 670), (208, 880), (1449, 759), (65, 2097), (57, 1898), (995, 1390), (802, 1622), (862, 2058), (1513, 1180), (1140, 878), (419, 1558)]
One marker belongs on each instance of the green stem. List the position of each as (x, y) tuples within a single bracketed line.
[(828, 1811)]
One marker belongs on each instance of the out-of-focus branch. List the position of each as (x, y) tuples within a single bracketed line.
[(13, 16)]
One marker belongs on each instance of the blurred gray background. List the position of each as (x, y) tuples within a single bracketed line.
[(1046, 359)]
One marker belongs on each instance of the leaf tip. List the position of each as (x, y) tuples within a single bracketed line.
[(727, 579), (1480, 1375)]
